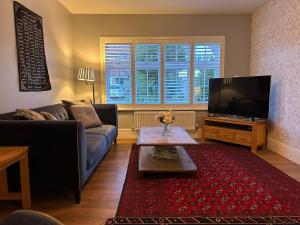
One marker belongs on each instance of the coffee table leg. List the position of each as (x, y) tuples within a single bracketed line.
[(140, 175), (25, 183), (3, 182)]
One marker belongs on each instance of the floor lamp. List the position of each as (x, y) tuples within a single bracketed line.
[(87, 75)]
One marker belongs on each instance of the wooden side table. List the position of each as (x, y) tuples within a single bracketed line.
[(9, 156)]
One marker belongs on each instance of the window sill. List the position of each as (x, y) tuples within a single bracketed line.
[(198, 107)]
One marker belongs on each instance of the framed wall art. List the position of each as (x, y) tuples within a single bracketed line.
[(33, 71)]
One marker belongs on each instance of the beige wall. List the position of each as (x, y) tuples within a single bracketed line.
[(276, 51), (87, 29), (58, 45)]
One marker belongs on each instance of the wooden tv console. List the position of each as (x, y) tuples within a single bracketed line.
[(237, 131)]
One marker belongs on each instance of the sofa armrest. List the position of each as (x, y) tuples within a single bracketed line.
[(29, 217), (108, 113), (54, 150), (82, 145)]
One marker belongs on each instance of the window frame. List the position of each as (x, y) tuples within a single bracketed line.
[(192, 40)]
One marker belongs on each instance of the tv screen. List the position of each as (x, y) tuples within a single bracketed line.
[(240, 96)]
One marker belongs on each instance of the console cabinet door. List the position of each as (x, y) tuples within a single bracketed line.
[(226, 135), (243, 138), (211, 132)]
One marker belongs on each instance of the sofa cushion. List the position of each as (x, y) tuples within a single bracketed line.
[(28, 114), (108, 131), (86, 114), (68, 104), (96, 148), (58, 111)]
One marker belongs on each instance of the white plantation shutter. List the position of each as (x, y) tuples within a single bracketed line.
[(207, 64), (147, 73), (177, 74), (118, 73), (168, 77)]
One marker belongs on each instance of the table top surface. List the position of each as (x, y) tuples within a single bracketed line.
[(152, 136), (9, 155)]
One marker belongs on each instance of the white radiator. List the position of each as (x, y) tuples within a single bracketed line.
[(185, 119)]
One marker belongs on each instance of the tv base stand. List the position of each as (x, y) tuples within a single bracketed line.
[(237, 131)]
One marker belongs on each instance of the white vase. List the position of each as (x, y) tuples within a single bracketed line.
[(166, 130)]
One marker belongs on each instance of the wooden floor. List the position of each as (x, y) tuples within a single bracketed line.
[(101, 195)]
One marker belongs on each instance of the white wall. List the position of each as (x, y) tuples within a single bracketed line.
[(87, 29), (276, 50), (58, 46)]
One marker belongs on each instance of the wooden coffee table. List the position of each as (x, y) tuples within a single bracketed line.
[(151, 140)]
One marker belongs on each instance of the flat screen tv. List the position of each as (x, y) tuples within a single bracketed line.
[(240, 96)]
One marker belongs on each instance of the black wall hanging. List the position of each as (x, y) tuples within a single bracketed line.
[(33, 71)]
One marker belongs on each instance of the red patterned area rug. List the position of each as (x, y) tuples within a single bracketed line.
[(230, 182)]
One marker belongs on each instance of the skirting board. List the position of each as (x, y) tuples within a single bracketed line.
[(285, 150)]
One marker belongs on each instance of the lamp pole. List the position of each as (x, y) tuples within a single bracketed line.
[(94, 102)]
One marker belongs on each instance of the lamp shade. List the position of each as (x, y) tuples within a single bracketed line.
[(86, 74)]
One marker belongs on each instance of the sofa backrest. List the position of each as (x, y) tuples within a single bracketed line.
[(57, 110)]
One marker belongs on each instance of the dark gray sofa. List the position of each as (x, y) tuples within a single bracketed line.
[(62, 154)]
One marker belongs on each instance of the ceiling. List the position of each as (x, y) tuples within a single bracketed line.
[(161, 6)]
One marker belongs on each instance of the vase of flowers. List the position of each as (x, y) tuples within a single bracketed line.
[(166, 119)]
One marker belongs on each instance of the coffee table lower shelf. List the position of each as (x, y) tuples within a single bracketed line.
[(149, 164)]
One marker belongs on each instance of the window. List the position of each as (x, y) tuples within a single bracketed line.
[(177, 74), (118, 73), (207, 64), (147, 73), (156, 71)]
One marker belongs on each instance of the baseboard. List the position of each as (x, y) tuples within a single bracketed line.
[(285, 150), (127, 134)]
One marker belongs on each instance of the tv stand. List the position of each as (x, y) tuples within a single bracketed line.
[(235, 130)]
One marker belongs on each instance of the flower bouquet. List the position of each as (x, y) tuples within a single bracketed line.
[(166, 118)]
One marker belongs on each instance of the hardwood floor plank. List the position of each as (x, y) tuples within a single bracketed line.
[(100, 196)]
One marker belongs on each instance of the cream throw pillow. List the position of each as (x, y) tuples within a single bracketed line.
[(68, 103), (28, 114), (86, 114), (48, 116)]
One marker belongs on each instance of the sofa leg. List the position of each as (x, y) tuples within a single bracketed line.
[(77, 196), (115, 141)]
